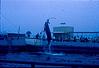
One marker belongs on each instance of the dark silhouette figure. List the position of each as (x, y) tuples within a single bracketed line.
[(47, 30), (37, 36), (28, 34)]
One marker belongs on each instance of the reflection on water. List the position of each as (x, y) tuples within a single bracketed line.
[(47, 57), (13, 56)]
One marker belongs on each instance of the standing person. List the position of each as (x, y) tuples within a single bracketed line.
[(47, 30)]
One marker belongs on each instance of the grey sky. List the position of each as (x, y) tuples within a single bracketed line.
[(83, 15)]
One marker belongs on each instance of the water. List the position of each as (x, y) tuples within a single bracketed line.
[(47, 57)]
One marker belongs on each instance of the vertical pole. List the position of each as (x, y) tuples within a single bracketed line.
[(19, 30), (0, 16)]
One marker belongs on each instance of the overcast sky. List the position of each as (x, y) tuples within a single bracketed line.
[(83, 15)]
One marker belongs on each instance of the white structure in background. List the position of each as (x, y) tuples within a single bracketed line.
[(63, 32)]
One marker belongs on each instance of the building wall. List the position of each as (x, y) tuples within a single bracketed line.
[(63, 32), (63, 29)]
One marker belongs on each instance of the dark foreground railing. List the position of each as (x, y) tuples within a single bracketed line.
[(72, 65)]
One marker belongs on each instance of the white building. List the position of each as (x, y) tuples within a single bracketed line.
[(63, 32)]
